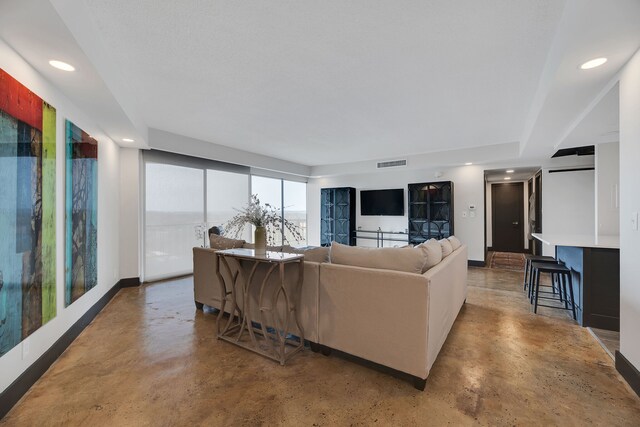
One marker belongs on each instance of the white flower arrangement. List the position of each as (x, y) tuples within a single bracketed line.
[(260, 215)]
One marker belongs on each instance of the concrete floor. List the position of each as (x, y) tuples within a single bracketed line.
[(150, 358)]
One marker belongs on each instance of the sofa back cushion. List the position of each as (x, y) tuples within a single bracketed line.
[(318, 254), (455, 242), (221, 243), (447, 249), (407, 259), (433, 253)]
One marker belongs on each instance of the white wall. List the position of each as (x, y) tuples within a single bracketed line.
[(568, 200), (17, 360), (468, 189), (174, 143), (629, 206), (607, 181), (130, 212)]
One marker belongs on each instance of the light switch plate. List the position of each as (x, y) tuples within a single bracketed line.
[(634, 221)]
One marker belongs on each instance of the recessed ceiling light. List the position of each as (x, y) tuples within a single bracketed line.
[(593, 63), (507, 178), (468, 164), (510, 171), (61, 65), (127, 140)]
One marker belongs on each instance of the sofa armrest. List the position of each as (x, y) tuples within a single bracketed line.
[(447, 293), (378, 315), (206, 287)]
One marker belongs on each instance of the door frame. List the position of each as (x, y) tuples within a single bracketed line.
[(537, 181), (521, 248)]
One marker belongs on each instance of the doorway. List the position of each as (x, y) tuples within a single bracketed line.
[(507, 205), (512, 213)]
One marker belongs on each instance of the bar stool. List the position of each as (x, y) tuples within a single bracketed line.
[(527, 268), (563, 275)]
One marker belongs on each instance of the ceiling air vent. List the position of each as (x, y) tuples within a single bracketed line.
[(392, 164)]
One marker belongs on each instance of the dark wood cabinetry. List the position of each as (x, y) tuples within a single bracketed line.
[(430, 211), (596, 284), (338, 216)]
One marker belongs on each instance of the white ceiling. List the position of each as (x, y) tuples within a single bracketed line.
[(518, 174), (34, 30), (588, 29), (326, 82), (600, 125)]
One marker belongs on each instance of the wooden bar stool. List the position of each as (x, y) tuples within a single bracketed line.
[(563, 275), (527, 268)]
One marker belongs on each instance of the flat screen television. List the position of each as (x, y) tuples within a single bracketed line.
[(382, 202)]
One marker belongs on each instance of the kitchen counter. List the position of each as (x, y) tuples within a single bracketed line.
[(595, 272), (579, 240)]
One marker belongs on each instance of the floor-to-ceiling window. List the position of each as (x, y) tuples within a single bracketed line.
[(184, 197), (269, 191), (287, 196), (295, 210), (226, 192), (174, 210)]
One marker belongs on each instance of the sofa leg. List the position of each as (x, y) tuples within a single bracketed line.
[(314, 346), (326, 351), (419, 383), (199, 305)]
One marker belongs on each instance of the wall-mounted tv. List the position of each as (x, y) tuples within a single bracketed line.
[(382, 202)]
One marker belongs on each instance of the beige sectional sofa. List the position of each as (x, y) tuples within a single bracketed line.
[(396, 319)]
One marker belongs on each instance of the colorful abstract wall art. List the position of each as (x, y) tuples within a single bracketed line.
[(27, 212), (81, 206)]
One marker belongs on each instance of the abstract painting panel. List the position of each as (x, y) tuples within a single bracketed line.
[(81, 206), (27, 212)]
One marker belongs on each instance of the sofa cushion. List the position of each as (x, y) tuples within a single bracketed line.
[(455, 242), (433, 253), (220, 242), (399, 259), (447, 249), (318, 254)]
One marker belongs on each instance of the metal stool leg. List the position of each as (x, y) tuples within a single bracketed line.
[(564, 290), (526, 274), (531, 282), (573, 305), (537, 291), (559, 285)]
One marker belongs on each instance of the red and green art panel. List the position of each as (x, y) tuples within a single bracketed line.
[(27, 212)]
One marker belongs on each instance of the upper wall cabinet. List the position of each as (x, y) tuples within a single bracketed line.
[(338, 216), (430, 211)]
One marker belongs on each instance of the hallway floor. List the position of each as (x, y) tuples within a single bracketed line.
[(151, 358)]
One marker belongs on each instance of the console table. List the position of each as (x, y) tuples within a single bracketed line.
[(272, 337), (380, 236)]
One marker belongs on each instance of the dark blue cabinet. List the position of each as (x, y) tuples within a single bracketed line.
[(430, 211), (338, 216)]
